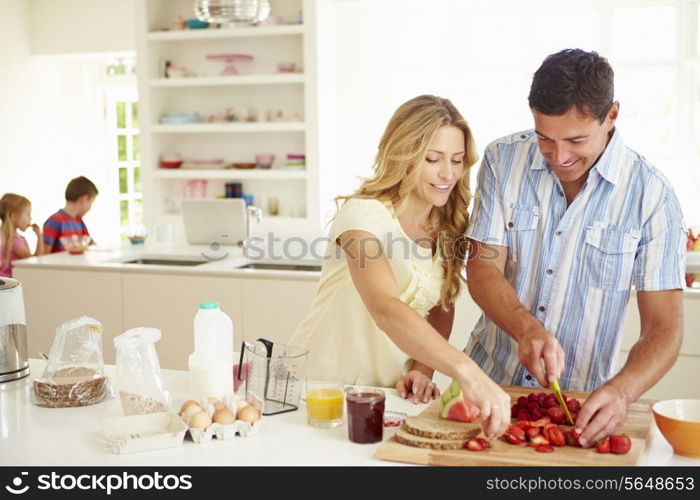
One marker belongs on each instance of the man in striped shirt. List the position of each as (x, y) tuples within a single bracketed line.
[(565, 219)]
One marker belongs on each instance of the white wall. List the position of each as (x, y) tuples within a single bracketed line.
[(81, 26), (481, 54), (49, 129)]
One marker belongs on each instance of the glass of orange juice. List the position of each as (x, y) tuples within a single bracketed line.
[(324, 403)]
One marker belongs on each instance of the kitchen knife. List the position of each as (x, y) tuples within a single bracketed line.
[(554, 384)]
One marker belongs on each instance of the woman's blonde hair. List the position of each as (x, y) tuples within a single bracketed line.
[(10, 204), (402, 149)]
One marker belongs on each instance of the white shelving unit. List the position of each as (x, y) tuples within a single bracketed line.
[(209, 128), (258, 86), (260, 174), (215, 81)]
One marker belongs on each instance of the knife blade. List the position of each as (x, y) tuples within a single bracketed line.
[(554, 384)]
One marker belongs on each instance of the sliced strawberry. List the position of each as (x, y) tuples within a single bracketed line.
[(484, 443), (544, 448), (514, 435), (523, 424), (554, 435), (539, 440), (473, 445), (572, 439), (542, 422), (533, 432)]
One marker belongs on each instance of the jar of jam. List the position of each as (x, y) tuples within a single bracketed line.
[(365, 414)]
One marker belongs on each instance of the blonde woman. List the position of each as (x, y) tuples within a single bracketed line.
[(384, 306), (16, 213)]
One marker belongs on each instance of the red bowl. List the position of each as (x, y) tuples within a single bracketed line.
[(170, 164)]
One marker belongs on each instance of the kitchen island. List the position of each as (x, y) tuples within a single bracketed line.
[(161, 286), (34, 436), (267, 303)]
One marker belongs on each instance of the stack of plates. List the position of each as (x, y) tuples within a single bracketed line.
[(180, 117)]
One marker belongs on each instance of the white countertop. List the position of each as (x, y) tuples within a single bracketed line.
[(34, 436), (224, 261), (216, 261)]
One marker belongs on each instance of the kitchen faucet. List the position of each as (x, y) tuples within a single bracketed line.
[(252, 211)]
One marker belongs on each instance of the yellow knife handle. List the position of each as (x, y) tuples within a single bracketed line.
[(554, 384)]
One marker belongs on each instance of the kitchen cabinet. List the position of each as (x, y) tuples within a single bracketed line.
[(259, 306), (169, 302), (273, 308), (52, 297), (259, 86)]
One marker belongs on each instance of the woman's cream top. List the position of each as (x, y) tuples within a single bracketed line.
[(344, 342)]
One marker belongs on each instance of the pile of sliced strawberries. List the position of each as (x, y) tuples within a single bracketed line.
[(541, 434), (538, 416), (535, 406)]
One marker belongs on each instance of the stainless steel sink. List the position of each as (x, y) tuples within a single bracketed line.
[(282, 267), (164, 262)]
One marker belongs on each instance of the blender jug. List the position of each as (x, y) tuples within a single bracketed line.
[(273, 375)]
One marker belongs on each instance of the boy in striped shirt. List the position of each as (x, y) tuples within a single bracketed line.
[(80, 194)]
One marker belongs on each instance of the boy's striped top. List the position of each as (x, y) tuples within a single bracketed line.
[(62, 224)]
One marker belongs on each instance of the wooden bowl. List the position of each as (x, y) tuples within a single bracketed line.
[(679, 422)]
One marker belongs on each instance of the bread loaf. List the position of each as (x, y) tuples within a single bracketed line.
[(440, 429), (409, 439)]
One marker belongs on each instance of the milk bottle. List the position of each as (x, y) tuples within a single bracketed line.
[(211, 363)]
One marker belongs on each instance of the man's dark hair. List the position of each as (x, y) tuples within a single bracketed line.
[(80, 186), (573, 78)]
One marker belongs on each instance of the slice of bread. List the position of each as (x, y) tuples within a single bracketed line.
[(409, 439), (439, 428)]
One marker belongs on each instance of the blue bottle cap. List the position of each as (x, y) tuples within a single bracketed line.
[(208, 305)]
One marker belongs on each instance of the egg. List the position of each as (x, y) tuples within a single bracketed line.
[(200, 420), (187, 404), (248, 413), (218, 406), (213, 401), (190, 412), (224, 416)]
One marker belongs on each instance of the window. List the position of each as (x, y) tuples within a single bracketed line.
[(121, 105), (482, 55)]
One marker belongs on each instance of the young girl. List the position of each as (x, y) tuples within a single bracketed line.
[(15, 213), (384, 306)]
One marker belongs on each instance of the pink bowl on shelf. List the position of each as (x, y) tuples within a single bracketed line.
[(286, 67), (265, 160)]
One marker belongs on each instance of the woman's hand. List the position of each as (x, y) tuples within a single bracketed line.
[(417, 387), (493, 402)]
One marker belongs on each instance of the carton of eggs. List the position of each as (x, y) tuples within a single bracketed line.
[(220, 419)]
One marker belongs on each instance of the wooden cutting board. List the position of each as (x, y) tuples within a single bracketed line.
[(637, 426)]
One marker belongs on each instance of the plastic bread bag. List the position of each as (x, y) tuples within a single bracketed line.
[(139, 381), (74, 373)]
